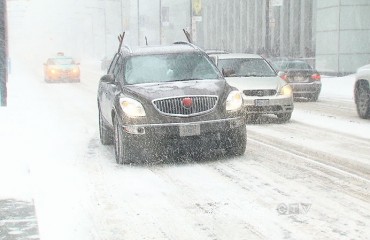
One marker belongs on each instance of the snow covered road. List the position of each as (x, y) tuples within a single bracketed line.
[(305, 179)]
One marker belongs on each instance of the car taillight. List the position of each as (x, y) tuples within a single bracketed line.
[(284, 77), (316, 77)]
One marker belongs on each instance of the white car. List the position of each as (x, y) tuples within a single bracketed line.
[(362, 91), (264, 92)]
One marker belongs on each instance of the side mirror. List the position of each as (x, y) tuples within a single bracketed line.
[(108, 78), (281, 73)]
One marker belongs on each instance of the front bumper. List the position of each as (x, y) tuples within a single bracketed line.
[(181, 135), (173, 129), (271, 104), (63, 77)]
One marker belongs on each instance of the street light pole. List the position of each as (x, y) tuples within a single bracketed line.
[(4, 64)]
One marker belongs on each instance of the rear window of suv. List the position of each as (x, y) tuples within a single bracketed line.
[(169, 67)]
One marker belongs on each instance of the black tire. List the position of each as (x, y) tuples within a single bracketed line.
[(123, 150), (363, 100), (284, 117), (106, 135), (252, 118), (236, 141)]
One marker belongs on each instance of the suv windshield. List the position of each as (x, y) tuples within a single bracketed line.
[(169, 67), (246, 67)]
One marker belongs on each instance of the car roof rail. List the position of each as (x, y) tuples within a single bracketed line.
[(120, 40), (146, 41), (187, 34), (127, 49), (189, 44)]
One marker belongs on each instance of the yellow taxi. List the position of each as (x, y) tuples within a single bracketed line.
[(61, 69)]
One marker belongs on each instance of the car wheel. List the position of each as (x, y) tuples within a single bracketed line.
[(106, 137), (123, 152), (252, 118), (236, 141), (363, 101), (313, 97), (284, 117)]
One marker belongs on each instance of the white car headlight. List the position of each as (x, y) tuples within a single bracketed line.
[(132, 107), (234, 101), (286, 90)]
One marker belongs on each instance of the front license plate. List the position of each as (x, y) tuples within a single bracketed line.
[(189, 130), (262, 102)]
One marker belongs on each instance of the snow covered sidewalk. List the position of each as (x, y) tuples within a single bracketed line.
[(17, 212)]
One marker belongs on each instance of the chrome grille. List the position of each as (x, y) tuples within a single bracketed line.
[(174, 106), (260, 93)]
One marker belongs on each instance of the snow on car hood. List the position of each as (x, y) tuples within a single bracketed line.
[(250, 83), (151, 91)]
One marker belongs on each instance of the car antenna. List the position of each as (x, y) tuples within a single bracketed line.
[(187, 34), (120, 39), (146, 40)]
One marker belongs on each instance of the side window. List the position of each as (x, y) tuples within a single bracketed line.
[(117, 70)]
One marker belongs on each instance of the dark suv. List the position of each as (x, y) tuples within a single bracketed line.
[(155, 98)]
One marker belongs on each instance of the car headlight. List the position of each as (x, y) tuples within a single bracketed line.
[(75, 70), (286, 90), (234, 101), (132, 107)]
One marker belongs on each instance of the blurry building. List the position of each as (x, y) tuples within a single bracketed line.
[(342, 35), (331, 34), (271, 27)]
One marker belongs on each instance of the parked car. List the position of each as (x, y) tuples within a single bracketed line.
[(155, 98), (362, 91), (216, 51), (61, 69), (264, 92), (305, 81)]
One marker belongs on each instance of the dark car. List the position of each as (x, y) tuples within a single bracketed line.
[(305, 80), (156, 98), (362, 91), (61, 69)]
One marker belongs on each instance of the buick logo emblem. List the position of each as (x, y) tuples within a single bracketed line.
[(187, 102)]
